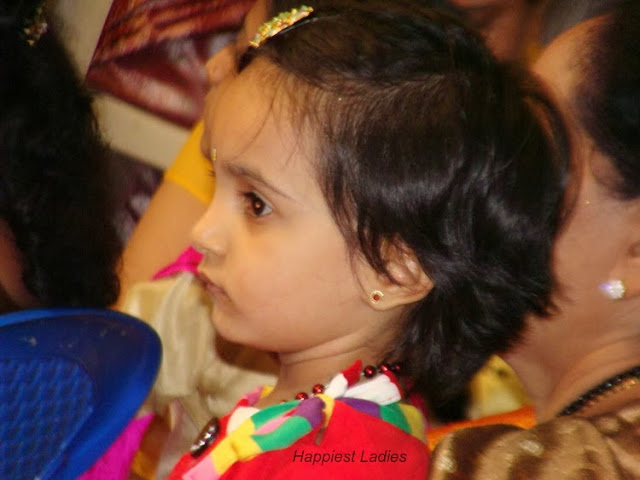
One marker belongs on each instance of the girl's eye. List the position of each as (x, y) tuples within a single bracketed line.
[(256, 206)]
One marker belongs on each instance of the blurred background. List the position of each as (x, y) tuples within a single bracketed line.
[(145, 59)]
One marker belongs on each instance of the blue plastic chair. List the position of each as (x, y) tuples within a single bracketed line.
[(70, 382)]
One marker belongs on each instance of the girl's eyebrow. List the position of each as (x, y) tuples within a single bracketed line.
[(236, 170)]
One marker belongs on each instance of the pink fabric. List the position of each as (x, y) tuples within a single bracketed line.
[(115, 463), (187, 262)]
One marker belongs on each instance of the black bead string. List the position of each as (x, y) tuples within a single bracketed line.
[(605, 388)]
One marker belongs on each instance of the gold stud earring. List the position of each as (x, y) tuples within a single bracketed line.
[(214, 155), (376, 296)]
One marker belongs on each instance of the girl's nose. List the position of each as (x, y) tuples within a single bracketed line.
[(207, 235)]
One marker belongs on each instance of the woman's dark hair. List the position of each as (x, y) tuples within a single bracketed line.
[(607, 94), (54, 181), (428, 143)]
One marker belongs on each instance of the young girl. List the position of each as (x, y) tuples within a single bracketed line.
[(377, 177)]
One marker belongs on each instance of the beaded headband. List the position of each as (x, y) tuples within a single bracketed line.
[(280, 23), (36, 26), (30, 28)]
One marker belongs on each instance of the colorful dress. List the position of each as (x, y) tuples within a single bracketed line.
[(355, 429)]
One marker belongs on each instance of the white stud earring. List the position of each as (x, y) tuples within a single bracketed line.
[(613, 289), (376, 296)]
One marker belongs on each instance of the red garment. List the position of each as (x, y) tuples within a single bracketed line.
[(375, 449)]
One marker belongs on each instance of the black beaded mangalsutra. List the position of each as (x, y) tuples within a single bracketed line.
[(211, 430), (619, 383)]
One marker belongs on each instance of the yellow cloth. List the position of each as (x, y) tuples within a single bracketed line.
[(495, 389), (191, 169)]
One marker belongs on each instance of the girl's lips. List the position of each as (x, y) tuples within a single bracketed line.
[(212, 288)]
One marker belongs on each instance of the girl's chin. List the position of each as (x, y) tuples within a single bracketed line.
[(227, 328)]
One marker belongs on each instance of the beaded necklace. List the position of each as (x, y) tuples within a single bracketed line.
[(210, 432), (367, 372), (613, 385)]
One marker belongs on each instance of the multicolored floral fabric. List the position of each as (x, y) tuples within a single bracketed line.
[(281, 426)]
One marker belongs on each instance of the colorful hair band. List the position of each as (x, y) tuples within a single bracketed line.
[(36, 26), (280, 23)]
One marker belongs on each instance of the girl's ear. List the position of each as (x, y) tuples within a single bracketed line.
[(409, 283)]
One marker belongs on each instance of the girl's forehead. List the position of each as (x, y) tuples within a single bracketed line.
[(234, 111), (248, 113)]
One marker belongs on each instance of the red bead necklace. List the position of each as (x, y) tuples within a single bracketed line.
[(369, 371), (210, 432)]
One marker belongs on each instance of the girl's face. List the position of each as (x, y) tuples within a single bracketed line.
[(275, 262)]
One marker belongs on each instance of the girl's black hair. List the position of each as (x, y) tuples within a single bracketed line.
[(428, 143), (55, 190), (607, 94)]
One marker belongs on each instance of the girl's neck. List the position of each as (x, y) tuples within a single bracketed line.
[(301, 374)]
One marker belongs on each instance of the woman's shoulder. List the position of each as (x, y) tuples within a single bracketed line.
[(602, 446)]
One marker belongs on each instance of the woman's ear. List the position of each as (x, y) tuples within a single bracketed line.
[(627, 270), (408, 283)]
